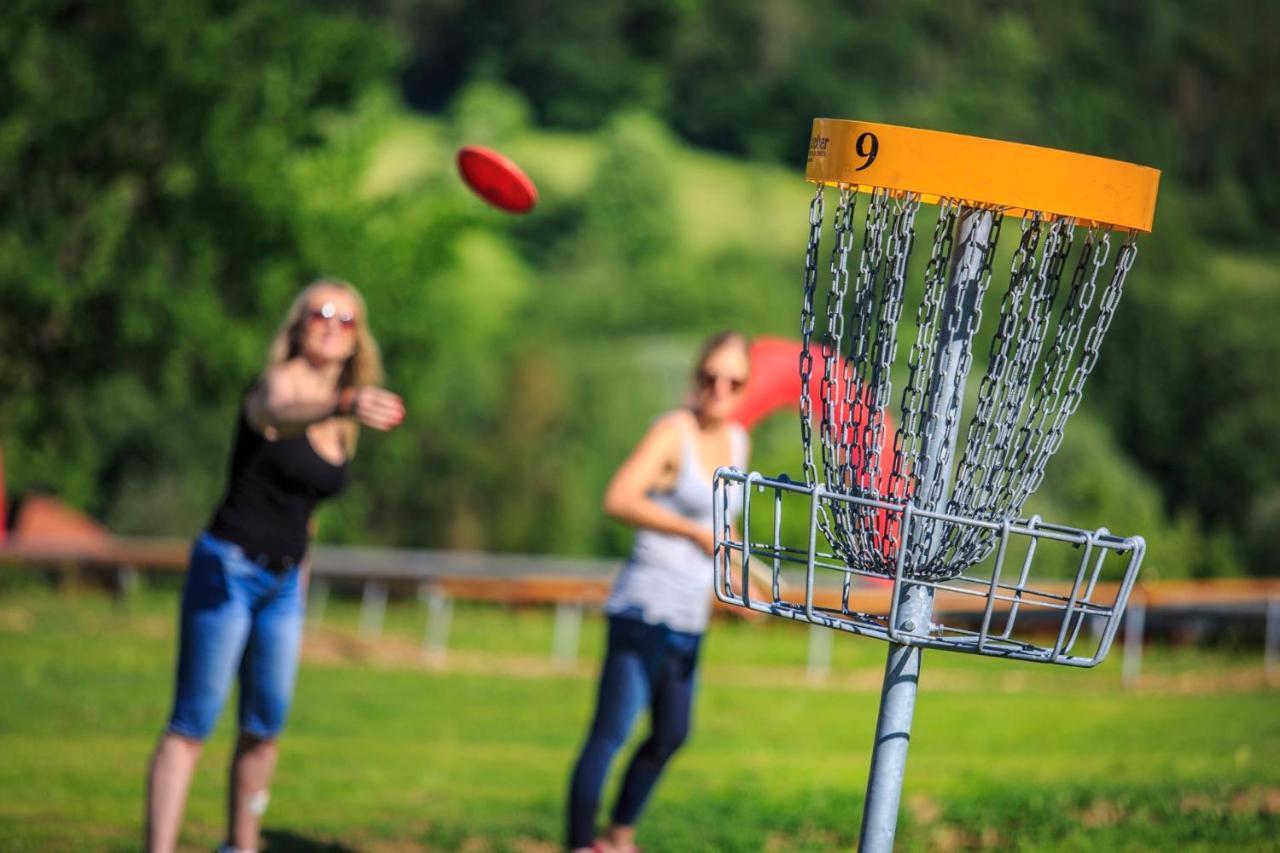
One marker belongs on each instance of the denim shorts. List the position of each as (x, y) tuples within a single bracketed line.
[(237, 616)]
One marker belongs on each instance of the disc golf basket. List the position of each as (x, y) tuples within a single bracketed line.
[(912, 499)]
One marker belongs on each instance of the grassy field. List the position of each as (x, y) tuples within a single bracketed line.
[(387, 751)]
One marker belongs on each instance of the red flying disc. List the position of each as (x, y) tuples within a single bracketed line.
[(496, 179)]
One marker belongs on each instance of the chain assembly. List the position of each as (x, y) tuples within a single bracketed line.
[(1042, 347)]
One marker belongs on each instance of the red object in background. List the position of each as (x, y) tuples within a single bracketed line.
[(775, 384), (44, 519), (496, 179), (38, 518), (775, 380)]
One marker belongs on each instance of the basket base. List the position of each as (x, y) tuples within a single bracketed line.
[(1045, 593)]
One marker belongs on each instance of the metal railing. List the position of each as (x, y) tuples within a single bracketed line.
[(573, 584)]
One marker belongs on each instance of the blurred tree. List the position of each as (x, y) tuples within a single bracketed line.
[(1169, 83), (1192, 394), (171, 173), (147, 239)]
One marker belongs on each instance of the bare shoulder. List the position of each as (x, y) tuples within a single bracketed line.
[(289, 382), (670, 425), (278, 383), (662, 438), (286, 374)]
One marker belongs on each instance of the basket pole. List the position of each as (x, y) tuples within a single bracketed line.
[(915, 602)]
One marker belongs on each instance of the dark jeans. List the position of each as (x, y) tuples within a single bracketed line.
[(644, 664)]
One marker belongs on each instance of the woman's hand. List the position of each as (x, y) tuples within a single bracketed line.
[(372, 406)]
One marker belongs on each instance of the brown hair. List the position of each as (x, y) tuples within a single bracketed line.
[(364, 367), (713, 343)]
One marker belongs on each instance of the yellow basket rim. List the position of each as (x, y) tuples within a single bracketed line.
[(1020, 179)]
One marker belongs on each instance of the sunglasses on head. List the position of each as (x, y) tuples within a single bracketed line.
[(707, 380), (329, 311)]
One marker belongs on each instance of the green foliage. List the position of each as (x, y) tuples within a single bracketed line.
[(147, 232), (1192, 394), (1174, 84), (170, 174)]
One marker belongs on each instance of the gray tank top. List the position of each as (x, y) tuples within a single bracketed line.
[(667, 579)]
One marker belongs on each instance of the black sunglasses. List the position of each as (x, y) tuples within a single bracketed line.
[(707, 379)]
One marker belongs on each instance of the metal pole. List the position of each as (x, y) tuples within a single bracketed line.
[(1134, 625), (565, 631), (373, 607), (318, 600), (819, 665), (435, 638), (893, 728), (127, 583), (1271, 640), (915, 603)]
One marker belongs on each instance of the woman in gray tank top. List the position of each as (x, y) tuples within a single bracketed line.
[(661, 601)]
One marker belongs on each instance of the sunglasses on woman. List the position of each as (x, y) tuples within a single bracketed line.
[(708, 380), (329, 311)]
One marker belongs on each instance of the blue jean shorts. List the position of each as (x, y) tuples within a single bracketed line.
[(237, 616)]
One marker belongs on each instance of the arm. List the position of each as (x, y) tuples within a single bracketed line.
[(283, 401), (287, 400), (627, 496)]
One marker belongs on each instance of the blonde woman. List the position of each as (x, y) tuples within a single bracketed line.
[(242, 602)]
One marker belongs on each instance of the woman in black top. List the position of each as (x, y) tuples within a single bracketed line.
[(242, 602)]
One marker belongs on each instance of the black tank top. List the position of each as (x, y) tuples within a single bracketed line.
[(271, 490)]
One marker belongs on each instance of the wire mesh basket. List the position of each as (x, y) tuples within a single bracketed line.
[(909, 526), (1046, 592)]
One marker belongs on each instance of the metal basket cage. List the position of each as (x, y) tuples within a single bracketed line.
[(1002, 606)]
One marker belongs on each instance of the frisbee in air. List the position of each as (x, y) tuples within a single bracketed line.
[(496, 179)]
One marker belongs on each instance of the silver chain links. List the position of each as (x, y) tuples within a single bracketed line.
[(839, 415), (1092, 348), (806, 339), (987, 436), (877, 389), (1021, 408), (934, 562), (990, 499)]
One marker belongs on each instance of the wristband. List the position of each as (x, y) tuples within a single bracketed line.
[(346, 404)]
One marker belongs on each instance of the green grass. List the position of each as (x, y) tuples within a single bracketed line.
[(387, 752)]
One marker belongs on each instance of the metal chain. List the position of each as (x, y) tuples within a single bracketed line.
[(907, 446), (934, 563), (833, 364), (1062, 236), (806, 334), (989, 502), (920, 357), (876, 393), (842, 418), (816, 207), (981, 458), (1023, 400), (1028, 339), (987, 436), (1092, 347), (1047, 394), (982, 282)]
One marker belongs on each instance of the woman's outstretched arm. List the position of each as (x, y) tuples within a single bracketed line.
[(288, 398)]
